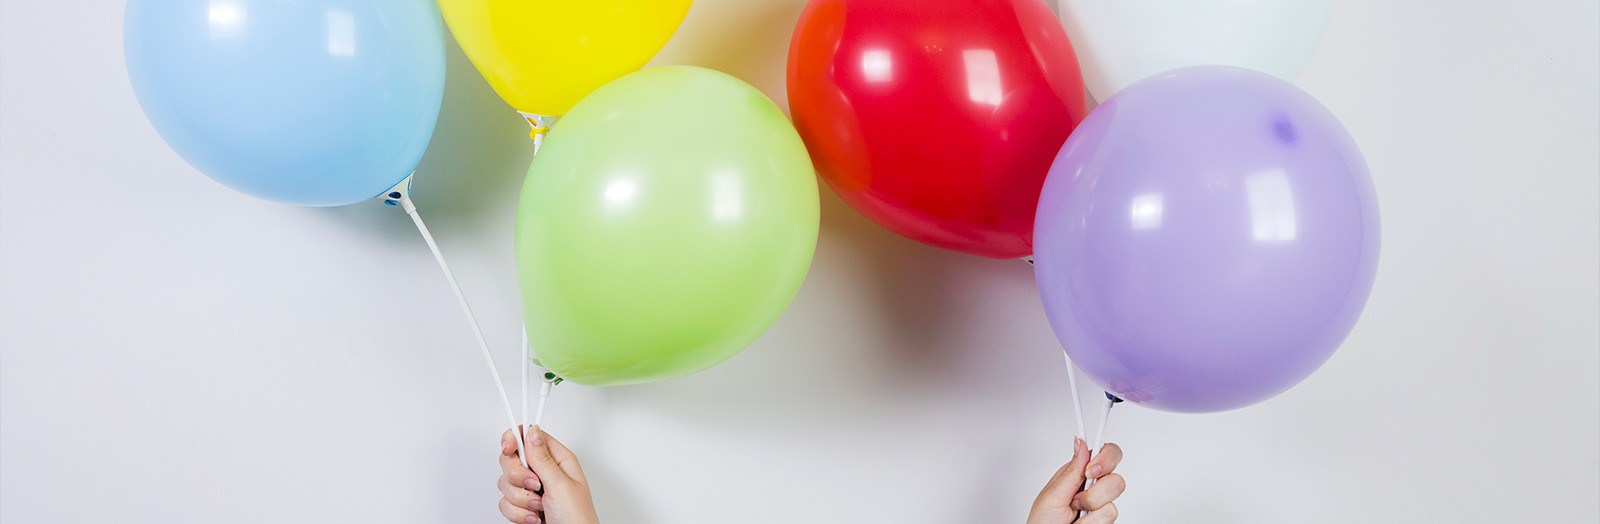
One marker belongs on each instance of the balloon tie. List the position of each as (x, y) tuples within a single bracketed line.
[(400, 195), (540, 126)]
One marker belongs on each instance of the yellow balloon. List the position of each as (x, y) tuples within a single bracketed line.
[(542, 56)]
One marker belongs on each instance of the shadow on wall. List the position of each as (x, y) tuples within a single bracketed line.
[(473, 167), (749, 40)]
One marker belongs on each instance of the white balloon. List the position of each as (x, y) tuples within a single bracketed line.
[(1120, 42)]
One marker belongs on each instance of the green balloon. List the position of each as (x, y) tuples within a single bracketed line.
[(666, 223)]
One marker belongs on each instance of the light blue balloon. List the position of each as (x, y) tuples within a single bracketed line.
[(313, 102)]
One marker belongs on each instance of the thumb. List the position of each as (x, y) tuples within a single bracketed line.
[(540, 460)]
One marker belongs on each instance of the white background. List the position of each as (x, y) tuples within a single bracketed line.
[(177, 352)]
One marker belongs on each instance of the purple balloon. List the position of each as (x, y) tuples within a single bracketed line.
[(1206, 239)]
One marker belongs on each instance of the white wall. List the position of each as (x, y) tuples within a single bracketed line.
[(177, 352)]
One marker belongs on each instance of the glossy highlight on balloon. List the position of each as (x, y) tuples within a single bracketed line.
[(1206, 239), (936, 119), (543, 56), (310, 103), (667, 222)]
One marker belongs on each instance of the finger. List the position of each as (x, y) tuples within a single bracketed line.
[(1067, 481), (1105, 515), (517, 515), (1100, 495), (544, 465), (1105, 462), (508, 443), (564, 457), (520, 497), (511, 465)]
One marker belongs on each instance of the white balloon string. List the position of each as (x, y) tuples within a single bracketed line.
[(1100, 434), (544, 394), (544, 382), (541, 125), (1099, 437), (1072, 381), (525, 347), (1077, 404), (488, 358)]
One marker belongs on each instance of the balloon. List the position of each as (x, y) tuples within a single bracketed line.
[(1206, 239), (311, 103), (1122, 41), (542, 56), (936, 119), (666, 223)]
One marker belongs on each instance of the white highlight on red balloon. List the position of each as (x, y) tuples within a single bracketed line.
[(983, 76)]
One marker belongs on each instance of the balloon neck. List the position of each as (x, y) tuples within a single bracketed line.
[(1113, 398), (540, 125), (1028, 259), (549, 377), (400, 195)]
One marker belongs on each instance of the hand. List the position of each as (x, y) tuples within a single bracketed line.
[(555, 491), (1061, 499)]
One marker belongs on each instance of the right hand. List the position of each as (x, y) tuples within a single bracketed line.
[(554, 491)]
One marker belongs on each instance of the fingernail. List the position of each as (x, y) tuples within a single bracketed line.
[(1078, 505), (537, 437), (1077, 444), (1094, 472), (535, 504), (530, 485), (532, 519)]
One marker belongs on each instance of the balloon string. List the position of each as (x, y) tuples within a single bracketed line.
[(1099, 438), (541, 127), (544, 386), (1072, 381), (544, 394), (488, 358), (1077, 404), (526, 347)]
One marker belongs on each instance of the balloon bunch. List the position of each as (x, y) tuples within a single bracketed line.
[(667, 224), (671, 215), (1204, 239)]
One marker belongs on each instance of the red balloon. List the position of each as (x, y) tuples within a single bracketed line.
[(937, 119)]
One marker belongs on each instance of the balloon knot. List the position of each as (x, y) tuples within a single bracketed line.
[(540, 124)]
